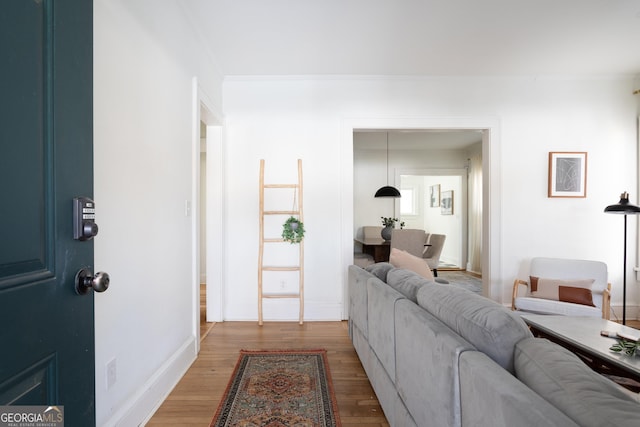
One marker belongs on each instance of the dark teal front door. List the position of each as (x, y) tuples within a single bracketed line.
[(46, 159)]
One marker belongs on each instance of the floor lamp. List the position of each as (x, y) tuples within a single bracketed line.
[(625, 208)]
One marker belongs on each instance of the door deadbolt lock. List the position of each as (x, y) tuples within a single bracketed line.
[(84, 219), (85, 280)]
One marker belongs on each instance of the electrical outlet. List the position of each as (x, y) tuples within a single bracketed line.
[(283, 284), (111, 373)]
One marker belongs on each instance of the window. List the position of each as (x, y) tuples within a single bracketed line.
[(407, 202)]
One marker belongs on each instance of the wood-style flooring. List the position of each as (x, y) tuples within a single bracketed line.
[(195, 399), (632, 323)]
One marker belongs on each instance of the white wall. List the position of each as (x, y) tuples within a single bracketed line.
[(281, 141), (450, 225), (145, 58), (281, 119)]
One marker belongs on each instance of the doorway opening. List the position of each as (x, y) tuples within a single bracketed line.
[(431, 167), (490, 203), (207, 209), (205, 325)]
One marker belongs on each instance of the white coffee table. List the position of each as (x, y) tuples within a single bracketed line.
[(581, 335)]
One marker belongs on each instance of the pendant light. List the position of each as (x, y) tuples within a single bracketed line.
[(387, 190)]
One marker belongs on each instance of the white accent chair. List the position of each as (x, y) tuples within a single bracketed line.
[(564, 269)]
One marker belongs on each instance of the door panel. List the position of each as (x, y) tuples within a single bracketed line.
[(46, 159), (23, 120)]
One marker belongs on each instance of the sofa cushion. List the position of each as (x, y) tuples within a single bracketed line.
[(381, 317), (427, 355), (490, 327), (358, 299), (484, 384), (406, 282), (380, 270), (546, 306), (571, 386), (403, 259), (572, 291)]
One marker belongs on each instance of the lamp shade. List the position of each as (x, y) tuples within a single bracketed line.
[(387, 191), (623, 206)]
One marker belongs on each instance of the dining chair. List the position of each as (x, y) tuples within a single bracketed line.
[(435, 243), (372, 232), (413, 241), (410, 240)]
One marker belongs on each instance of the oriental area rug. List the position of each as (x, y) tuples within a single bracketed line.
[(279, 389)]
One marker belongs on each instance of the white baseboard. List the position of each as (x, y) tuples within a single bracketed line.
[(281, 310), (145, 402)]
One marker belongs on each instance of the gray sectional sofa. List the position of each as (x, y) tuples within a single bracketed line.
[(438, 355)]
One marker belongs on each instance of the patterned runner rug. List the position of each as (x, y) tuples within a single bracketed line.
[(279, 389)]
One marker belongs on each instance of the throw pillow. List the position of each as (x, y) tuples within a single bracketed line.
[(574, 291), (403, 259)]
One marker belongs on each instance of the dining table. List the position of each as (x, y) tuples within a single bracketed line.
[(377, 247)]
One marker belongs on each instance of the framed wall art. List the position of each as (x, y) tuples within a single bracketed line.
[(434, 193), (567, 174), (446, 203)]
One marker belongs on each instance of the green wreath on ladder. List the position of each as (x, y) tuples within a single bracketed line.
[(293, 230)]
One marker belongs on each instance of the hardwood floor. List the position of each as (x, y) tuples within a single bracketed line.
[(195, 399), (632, 323), (204, 326)]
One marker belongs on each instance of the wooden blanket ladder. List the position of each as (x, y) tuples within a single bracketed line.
[(295, 211)]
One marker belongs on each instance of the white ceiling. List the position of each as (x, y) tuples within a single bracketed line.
[(420, 37)]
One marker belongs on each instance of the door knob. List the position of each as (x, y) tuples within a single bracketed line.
[(85, 280)]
